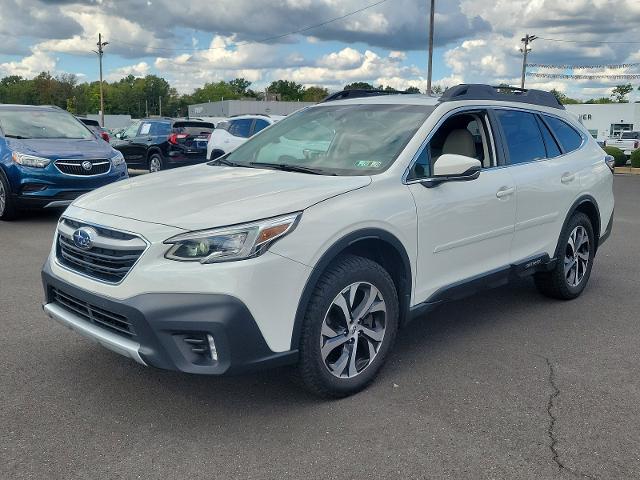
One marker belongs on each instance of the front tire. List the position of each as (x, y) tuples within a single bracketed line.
[(574, 260), (8, 208), (349, 327)]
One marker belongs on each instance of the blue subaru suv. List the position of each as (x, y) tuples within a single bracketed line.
[(48, 158)]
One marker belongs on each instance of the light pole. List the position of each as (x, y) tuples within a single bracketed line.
[(100, 53), (430, 62), (525, 51)]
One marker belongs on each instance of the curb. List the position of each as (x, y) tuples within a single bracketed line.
[(627, 171)]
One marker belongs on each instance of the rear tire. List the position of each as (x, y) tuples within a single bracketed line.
[(349, 328), (574, 260), (156, 163), (8, 207)]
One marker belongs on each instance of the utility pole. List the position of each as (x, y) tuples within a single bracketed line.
[(525, 51), (430, 63), (100, 53), (146, 107), (160, 105)]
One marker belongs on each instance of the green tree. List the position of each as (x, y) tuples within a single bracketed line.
[(599, 100), (562, 98), (240, 85), (620, 92), (412, 90), (214, 92), (359, 86), (314, 94), (286, 90)]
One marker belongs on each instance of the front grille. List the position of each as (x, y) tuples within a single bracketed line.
[(77, 167), (109, 259), (98, 316)]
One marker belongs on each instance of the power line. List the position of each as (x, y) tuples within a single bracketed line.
[(586, 41), (583, 67), (263, 40)]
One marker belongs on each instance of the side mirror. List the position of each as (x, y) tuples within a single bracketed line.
[(453, 168)]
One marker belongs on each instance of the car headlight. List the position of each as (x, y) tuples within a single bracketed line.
[(237, 242), (117, 159), (27, 160)]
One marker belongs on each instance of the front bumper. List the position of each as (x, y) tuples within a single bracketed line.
[(161, 322)]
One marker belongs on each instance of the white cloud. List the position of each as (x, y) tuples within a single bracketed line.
[(29, 66), (138, 70)]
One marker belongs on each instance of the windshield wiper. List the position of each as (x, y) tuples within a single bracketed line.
[(291, 168), (19, 137), (228, 163)]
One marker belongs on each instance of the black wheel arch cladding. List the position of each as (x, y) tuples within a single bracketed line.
[(402, 276)]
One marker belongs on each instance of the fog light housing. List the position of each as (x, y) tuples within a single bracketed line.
[(33, 187)]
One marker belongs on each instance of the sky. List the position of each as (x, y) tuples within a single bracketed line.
[(197, 41)]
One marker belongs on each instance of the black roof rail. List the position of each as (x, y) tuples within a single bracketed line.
[(360, 93), (478, 91), (248, 114)]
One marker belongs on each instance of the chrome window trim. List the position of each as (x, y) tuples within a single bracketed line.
[(94, 161), (88, 224), (454, 111)]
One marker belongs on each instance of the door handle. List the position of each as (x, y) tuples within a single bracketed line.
[(568, 178), (505, 192)]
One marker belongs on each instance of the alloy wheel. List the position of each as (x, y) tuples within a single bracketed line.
[(3, 198), (155, 165), (353, 330), (577, 255)]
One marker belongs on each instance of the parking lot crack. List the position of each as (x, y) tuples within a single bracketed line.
[(553, 420)]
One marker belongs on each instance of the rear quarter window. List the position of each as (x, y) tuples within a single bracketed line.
[(569, 138)]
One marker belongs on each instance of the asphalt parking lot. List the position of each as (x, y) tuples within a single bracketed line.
[(503, 385)]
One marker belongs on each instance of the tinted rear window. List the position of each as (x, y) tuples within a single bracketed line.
[(569, 138), (193, 128), (630, 135), (523, 137)]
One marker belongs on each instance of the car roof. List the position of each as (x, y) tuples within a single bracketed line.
[(11, 106), (251, 116), (392, 99)]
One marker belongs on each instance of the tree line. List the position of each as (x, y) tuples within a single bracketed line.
[(619, 94), (153, 95)]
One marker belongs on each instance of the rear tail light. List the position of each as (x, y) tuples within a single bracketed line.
[(611, 162), (105, 136), (604, 143), (636, 144), (174, 137)]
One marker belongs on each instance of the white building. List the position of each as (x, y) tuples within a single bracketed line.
[(227, 108), (608, 119)]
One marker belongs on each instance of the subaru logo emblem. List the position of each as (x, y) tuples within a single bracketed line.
[(87, 165), (83, 237)]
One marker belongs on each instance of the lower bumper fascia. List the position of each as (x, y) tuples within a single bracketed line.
[(113, 342), (161, 321)]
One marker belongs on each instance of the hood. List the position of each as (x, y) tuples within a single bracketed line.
[(204, 196), (56, 148)]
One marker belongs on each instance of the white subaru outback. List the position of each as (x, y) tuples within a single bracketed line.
[(319, 238)]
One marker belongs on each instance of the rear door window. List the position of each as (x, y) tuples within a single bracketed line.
[(569, 138), (522, 136), (552, 146), (260, 125), (240, 127), (160, 129)]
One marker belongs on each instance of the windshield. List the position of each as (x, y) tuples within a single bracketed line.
[(338, 140), (630, 135), (42, 124)]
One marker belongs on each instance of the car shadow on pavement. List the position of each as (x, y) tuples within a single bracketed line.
[(120, 383)]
